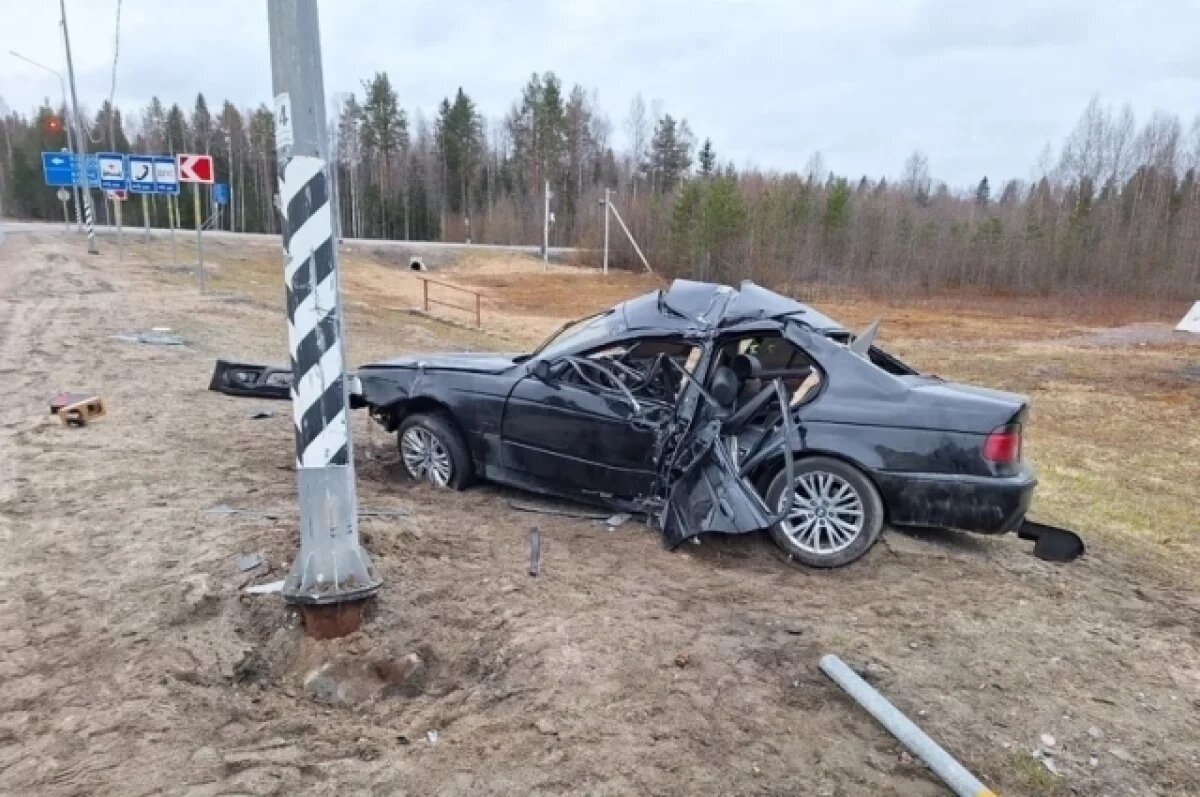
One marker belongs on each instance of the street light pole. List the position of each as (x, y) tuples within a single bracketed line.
[(332, 576), (70, 137), (81, 153)]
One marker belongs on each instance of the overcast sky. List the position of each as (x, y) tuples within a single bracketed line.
[(980, 86)]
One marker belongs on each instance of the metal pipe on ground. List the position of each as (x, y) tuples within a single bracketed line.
[(952, 773)]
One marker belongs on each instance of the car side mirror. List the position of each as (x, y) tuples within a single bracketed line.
[(542, 370)]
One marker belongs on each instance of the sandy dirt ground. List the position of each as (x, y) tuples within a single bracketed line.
[(131, 663)]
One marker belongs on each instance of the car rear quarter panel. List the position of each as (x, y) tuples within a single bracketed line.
[(895, 448)]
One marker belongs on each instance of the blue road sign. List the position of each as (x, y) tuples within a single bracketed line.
[(93, 171), (62, 169), (58, 168), (221, 193), (166, 175), (114, 171), (141, 174)]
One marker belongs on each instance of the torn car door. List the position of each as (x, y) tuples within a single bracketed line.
[(707, 475)]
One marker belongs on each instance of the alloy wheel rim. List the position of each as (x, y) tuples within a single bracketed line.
[(826, 514), (425, 456)]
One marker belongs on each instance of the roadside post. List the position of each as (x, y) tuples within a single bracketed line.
[(114, 178), (166, 183), (117, 197), (141, 181), (197, 170), (63, 196), (332, 575)]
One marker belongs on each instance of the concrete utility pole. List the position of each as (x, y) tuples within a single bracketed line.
[(332, 576), (89, 217)]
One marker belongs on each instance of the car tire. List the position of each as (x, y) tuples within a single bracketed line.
[(432, 450), (842, 521)]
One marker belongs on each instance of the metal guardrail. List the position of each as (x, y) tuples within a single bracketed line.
[(426, 300)]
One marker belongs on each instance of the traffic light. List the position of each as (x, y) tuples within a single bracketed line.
[(54, 124)]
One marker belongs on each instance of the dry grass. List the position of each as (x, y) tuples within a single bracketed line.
[(1113, 431)]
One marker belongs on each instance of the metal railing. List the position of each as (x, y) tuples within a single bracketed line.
[(426, 300)]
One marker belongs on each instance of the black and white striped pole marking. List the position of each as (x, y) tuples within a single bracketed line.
[(332, 569)]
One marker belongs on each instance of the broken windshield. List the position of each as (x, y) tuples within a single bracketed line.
[(573, 334)]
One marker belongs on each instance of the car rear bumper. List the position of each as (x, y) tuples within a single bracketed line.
[(982, 504)]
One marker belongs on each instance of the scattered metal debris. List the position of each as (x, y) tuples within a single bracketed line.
[(1045, 755), (223, 510), (262, 415), (385, 512), (618, 519), (952, 773), (432, 736), (249, 561), (158, 336), (544, 508), (270, 588), (535, 551)]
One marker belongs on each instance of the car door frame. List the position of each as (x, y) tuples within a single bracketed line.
[(605, 469)]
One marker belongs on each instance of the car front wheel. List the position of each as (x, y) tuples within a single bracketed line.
[(834, 512), (433, 451)]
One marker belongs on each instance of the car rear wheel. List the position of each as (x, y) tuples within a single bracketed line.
[(433, 451), (834, 516)]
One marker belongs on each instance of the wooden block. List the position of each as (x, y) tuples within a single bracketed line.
[(82, 411)]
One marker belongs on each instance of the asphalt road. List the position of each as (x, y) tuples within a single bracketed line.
[(416, 247)]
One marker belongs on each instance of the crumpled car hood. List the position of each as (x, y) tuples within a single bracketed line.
[(472, 362)]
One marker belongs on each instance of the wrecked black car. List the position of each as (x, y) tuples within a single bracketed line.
[(711, 409)]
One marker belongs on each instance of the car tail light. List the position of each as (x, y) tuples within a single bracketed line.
[(1003, 446)]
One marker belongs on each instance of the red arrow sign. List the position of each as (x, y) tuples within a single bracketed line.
[(195, 168)]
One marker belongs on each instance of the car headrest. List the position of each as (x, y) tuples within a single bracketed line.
[(725, 386), (746, 366)]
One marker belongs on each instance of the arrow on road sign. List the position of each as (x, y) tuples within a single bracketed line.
[(195, 168)]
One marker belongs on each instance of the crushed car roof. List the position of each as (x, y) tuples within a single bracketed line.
[(690, 305)]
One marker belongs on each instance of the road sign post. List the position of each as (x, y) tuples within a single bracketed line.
[(196, 169), (114, 176), (142, 181), (172, 219), (199, 238), (332, 575), (63, 196)]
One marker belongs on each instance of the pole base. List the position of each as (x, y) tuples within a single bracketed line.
[(332, 620)]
